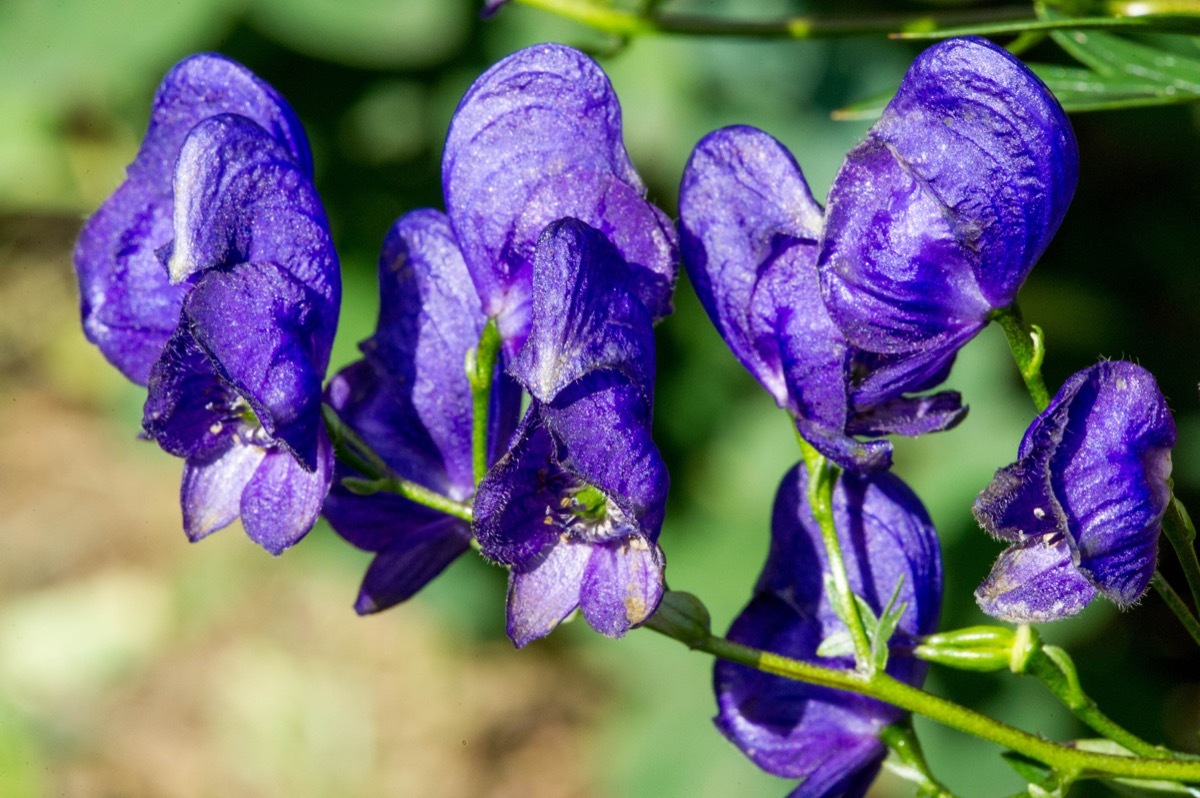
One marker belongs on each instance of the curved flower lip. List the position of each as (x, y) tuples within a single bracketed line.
[(1083, 504), (129, 310), (937, 218), (750, 233), (409, 398), (826, 737), (537, 138)]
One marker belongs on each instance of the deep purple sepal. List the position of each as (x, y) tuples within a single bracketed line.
[(129, 309), (410, 400), (537, 138), (1083, 504), (585, 315), (936, 219), (751, 235), (828, 738)]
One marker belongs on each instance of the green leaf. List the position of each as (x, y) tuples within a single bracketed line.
[(838, 644), (1084, 90), (1030, 769), (889, 619)]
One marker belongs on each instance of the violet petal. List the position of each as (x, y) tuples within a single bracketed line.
[(544, 591), (537, 138), (282, 500), (584, 315), (129, 308)]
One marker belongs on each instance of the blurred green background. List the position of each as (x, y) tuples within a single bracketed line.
[(135, 664)]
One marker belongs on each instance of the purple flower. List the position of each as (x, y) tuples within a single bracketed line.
[(931, 223), (129, 306), (936, 219), (535, 139), (210, 275), (828, 738), (1083, 504), (410, 399), (576, 505)]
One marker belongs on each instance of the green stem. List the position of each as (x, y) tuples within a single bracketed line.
[(1178, 529), (821, 478), (903, 742), (377, 477), (1072, 762), (1172, 599), (1028, 349), (481, 369), (1053, 667), (629, 23)]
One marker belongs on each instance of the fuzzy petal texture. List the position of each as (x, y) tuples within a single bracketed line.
[(937, 218), (410, 400), (537, 138), (241, 198), (1093, 480), (129, 308), (825, 737), (259, 327)]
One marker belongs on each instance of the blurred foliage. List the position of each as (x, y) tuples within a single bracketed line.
[(131, 663)]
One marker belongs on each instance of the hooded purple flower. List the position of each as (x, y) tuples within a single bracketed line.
[(935, 219), (1083, 505), (576, 505), (829, 738), (410, 400), (535, 139), (129, 306), (211, 276)]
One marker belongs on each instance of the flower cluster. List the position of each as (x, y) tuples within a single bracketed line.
[(932, 222), (548, 233), (210, 277)]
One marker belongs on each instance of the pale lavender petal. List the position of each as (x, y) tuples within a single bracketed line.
[(211, 492), (622, 585), (543, 593), (282, 500), (1034, 582)]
